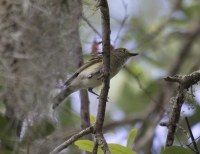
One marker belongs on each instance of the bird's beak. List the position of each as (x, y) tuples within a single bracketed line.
[(133, 54)]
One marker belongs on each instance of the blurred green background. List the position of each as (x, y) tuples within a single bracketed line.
[(164, 33)]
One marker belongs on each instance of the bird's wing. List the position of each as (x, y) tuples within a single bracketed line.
[(85, 65)]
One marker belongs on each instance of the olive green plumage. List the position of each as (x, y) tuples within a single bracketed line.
[(87, 76)]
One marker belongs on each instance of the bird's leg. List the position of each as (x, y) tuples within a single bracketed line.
[(90, 90)]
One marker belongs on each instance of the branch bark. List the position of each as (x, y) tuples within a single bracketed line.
[(185, 82), (72, 139), (105, 18), (192, 137)]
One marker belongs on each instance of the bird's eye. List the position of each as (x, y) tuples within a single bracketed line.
[(123, 50)]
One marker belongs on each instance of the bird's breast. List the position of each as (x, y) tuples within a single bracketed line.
[(115, 67)]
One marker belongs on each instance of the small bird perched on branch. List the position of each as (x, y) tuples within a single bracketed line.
[(88, 76)]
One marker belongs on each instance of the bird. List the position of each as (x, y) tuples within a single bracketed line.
[(89, 74)]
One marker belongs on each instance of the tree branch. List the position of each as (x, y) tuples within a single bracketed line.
[(192, 137), (72, 139), (123, 22), (185, 82), (91, 26), (105, 18)]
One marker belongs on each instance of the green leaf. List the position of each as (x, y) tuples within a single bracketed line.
[(119, 149), (114, 148), (131, 138), (176, 150), (7, 136), (87, 146), (92, 119)]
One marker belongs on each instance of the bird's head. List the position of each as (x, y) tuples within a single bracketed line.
[(123, 53)]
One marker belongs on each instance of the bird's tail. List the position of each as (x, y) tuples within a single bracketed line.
[(61, 97)]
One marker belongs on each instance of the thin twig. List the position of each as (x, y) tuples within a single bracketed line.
[(72, 139), (178, 140), (191, 135), (191, 148), (195, 140), (141, 87), (123, 22), (91, 26)]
